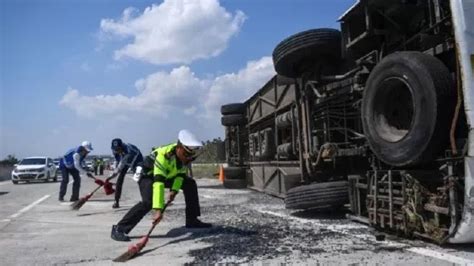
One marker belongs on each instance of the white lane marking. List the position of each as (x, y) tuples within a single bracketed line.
[(27, 208), (343, 229), (207, 197), (441, 256)]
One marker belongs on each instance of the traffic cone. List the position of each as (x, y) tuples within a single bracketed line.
[(221, 174)]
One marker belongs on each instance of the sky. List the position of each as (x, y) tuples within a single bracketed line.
[(74, 70)]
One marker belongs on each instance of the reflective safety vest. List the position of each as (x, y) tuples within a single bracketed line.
[(166, 167), (68, 158)]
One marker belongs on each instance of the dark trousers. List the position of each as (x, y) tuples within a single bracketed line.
[(76, 185), (137, 212), (118, 186)]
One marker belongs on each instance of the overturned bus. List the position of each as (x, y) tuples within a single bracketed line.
[(377, 115)]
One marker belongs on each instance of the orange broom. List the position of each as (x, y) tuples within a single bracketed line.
[(134, 249)]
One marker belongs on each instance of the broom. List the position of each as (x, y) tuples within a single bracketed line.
[(108, 188), (78, 204), (134, 249)]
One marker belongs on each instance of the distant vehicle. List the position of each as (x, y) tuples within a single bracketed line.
[(56, 163), (89, 165), (34, 169)]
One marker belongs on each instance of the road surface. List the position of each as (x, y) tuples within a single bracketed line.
[(249, 227)]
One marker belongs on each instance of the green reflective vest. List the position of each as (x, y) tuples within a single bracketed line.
[(166, 165)]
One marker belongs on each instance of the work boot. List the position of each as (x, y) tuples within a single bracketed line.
[(74, 199), (196, 223), (117, 235), (116, 205)]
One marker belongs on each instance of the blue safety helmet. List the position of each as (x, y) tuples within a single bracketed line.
[(116, 144)]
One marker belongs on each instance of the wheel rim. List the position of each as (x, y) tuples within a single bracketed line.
[(393, 109)]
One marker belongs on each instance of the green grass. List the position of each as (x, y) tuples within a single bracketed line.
[(208, 170)]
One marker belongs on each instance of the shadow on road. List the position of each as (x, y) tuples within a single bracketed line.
[(101, 200), (3, 193), (103, 212), (192, 234), (461, 247)]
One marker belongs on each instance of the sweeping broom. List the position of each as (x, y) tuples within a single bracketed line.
[(134, 249), (78, 204), (107, 187)]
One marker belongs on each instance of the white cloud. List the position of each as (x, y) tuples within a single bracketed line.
[(237, 87), (158, 94), (175, 98), (176, 31)]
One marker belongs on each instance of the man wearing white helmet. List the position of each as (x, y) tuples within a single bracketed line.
[(166, 166), (71, 163)]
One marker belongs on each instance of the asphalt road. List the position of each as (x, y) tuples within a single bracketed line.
[(249, 227)]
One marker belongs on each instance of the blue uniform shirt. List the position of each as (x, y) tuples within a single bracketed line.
[(131, 157)]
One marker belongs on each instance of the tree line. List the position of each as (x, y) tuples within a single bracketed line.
[(211, 152), (10, 160)]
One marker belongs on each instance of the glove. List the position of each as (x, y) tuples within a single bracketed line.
[(99, 182), (138, 174)]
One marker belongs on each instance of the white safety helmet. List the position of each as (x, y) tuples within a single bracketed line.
[(189, 141), (87, 145)]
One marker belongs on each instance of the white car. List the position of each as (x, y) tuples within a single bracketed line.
[(56, 163), (34, 169)]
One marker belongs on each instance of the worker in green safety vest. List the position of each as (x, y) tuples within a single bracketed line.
[(165, 167), (101, 166)]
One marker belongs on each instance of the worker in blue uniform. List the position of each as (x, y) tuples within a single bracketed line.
[(72, 163), (127, 156)]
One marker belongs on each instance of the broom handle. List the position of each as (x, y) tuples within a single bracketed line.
[(95, 178), (153, 226), (92, 193)]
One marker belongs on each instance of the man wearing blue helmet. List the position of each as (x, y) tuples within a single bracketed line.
[(127, 156), (71, 163)]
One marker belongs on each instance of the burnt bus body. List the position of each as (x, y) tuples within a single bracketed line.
[(377, 115)]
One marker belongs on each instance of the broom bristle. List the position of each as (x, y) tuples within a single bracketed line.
[(78, 204), (131, 252), (142, 242), (134, 249)]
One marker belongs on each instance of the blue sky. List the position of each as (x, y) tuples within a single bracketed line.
[(140, 70)]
